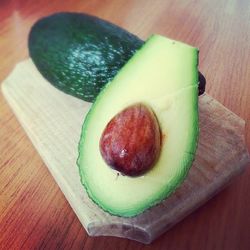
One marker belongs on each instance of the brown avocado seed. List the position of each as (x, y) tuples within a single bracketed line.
[(131, 141)]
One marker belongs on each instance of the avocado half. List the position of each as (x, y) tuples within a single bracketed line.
[(163, 75)]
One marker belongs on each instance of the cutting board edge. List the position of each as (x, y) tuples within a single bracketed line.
[(145, 239)]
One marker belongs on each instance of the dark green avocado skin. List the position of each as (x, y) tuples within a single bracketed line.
[(79, 53)]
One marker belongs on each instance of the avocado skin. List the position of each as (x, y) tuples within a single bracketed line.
[(80, 53)]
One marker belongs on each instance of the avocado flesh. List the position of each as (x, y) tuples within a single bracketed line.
[(163, 75)]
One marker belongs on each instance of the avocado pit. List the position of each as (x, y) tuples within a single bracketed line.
[(131, 141)]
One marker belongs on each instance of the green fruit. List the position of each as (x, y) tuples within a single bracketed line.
[(79, 53), (163, 76)]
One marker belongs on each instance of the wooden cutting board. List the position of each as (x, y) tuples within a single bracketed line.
[(53, 123)]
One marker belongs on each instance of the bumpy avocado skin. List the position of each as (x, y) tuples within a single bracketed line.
[(79, 53)]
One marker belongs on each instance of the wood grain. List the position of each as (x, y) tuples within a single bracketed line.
[(33, 217)]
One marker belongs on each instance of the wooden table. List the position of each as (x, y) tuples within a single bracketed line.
[(33, 210)]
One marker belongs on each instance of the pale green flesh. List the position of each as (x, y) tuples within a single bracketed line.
[(164, 76)]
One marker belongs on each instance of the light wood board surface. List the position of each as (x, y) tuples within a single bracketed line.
[(34, 212), (53, 122)]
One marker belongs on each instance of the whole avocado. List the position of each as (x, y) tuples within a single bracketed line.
[(80, 53)]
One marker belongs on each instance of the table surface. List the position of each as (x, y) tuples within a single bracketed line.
[(33, 211)]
